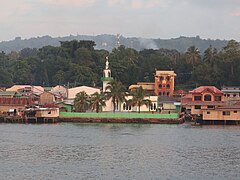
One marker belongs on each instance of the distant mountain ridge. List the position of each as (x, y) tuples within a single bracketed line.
[(108, 42)]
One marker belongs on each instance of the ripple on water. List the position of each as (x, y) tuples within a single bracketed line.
[(117, 151)]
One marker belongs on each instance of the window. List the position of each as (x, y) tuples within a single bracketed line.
[(207, 97), (197, 98), (235, 111), (210, 107), (151, 106), (154, 106), (218, 98), (208, 112), (234, 95), (197, 107), (160, 78), (163, 93), (168, 78), (226, 113), (159, 93), (167, 93), (160, 86), (129, 107), (168, 86), (124, 106)]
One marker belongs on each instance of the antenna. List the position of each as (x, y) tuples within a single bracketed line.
[(118, 40)]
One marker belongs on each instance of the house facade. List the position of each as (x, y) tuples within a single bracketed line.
[(152, 107), (203, 98), (222, 115), (231, 94), (163, 85), (13, 103)]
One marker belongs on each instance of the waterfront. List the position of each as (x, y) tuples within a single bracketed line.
[(118, 151)]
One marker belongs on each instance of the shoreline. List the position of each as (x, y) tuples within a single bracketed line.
[(120, 120)]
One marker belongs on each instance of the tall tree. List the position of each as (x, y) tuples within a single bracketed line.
[(231, 54), (139, 98), (97, 101), (210, 55), (81, 102), (192, 55), (115, 91)]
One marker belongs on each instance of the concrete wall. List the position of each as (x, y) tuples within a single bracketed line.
[(51, 112)]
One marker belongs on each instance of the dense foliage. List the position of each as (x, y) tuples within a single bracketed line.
[(78, 63)]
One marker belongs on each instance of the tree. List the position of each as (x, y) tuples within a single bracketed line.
[(97, 101), (210, 55), (231, 54), (192, 55), (139, 98), (115, 91), (81, 102)]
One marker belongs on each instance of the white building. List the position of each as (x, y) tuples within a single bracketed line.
[(123, 106), (106, 79), (72, 92)]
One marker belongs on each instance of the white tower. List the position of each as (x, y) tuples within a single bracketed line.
[(106, 75), (118, 41), (106, 79)]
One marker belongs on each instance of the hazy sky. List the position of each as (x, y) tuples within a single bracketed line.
[(215, 19)]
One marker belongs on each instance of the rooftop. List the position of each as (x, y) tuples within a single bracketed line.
[(202, 89), (165, 73)]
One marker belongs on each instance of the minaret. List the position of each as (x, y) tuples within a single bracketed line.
[(106, 75)]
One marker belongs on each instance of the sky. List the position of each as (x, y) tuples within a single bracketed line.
[(164, 19)]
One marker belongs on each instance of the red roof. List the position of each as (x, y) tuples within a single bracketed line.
[(180, 91), (202, 89), (187, 98), (15, 101)]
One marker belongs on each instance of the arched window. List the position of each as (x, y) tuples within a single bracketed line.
[(207, 97), (124, 106), (154, 106), (167, 93), (168, 78), (161, 78), (163, 93), (129, 107), (151, 106), (168, 86), (160, 86)]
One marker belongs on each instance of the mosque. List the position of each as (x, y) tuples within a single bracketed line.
[(162, 87)]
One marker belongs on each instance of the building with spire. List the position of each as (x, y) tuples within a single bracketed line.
[(107, 77)]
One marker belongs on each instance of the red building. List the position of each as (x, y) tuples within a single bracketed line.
[(164, 83)]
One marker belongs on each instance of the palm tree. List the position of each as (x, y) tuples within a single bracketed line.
[(210, 55), (139, 98), (192, 55), (81, 102), (97, 101), (115, 91), (231, 53)]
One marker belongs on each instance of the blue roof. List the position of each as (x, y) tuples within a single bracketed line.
[(231, 90)]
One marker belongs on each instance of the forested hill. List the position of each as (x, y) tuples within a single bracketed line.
[(108, 42)]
